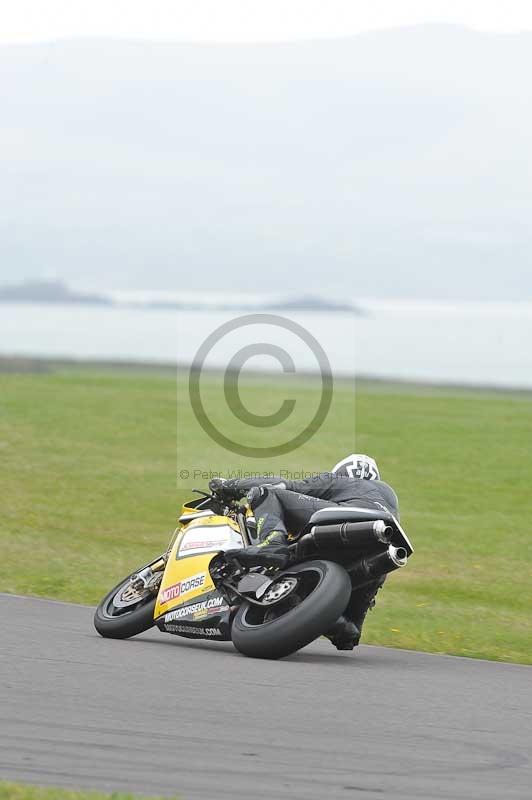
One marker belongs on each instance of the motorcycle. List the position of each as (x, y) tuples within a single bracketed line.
[(197, 589)]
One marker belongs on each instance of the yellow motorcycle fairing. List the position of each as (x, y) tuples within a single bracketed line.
[(186, 576)]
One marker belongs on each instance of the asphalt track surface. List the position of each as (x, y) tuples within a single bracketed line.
[(163, 715)]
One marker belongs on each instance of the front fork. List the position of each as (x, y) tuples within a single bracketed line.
[(150, 577)]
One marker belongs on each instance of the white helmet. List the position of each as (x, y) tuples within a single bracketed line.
[(357, 465)]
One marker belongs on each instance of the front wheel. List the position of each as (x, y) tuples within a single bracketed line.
[(305, 600), (126, 610)]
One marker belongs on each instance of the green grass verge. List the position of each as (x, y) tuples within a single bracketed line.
[(88, 468), (19, 791)]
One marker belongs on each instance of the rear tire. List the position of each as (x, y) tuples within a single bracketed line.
[(323, 592), (113, 622)]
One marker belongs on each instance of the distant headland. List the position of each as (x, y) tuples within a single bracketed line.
[(57, 292)]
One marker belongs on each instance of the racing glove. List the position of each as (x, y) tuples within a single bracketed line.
[(226, 488)]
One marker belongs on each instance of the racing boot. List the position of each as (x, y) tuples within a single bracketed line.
[(272, 552), (344, 634), (361, 601)]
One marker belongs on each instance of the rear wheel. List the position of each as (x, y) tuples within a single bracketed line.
[(127, 609), (303, 602)]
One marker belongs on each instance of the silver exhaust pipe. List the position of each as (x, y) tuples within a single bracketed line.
[(375, 566), (356, 536), (398, 555)]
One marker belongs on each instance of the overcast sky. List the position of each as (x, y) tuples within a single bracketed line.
[(246, 20)]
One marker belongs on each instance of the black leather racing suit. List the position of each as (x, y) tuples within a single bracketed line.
[(280, 505), (284, 504)]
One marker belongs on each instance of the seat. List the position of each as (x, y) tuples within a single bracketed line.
[(338, 514)]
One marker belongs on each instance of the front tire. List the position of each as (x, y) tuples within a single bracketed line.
[(122, 621), (313, 606)]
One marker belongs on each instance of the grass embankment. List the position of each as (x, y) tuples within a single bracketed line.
[(18, 791), (88, 476)]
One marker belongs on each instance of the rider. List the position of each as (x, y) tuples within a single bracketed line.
[(279, 504)]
